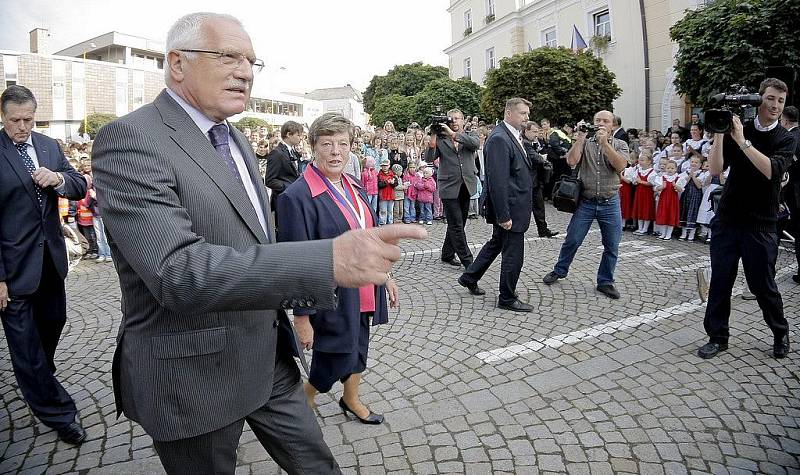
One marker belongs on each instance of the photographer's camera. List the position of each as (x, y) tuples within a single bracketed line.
[(738, 100)]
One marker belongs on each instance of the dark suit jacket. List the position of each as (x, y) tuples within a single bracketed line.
[(25, 226), (792, 189), (622, 135), (311, 215), (455, 168), (508, 180), (280, 171), (203, 288)]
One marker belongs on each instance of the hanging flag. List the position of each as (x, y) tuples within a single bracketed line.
[(529, 48), (577, 44)]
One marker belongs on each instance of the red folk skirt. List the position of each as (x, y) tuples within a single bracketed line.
[(626, 199), (669, 208)]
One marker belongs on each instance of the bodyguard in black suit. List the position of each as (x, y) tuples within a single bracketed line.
[(283, 163), (33, 259), (791, 192), (619, 132), (508, 206)]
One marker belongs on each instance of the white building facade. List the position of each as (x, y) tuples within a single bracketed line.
[(638, 49)]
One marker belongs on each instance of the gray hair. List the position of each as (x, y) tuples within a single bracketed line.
[(18, 95), (515, 101), (327, 124), (186, 32)]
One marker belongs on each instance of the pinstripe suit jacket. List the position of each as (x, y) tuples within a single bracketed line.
[(203, 290)]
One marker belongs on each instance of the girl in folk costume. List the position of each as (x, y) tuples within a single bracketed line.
[(410, 179), (669, 185), (626, 192), (690, 199), (369, 178), (706, 212), (695, 146), (672, 151), (644, 205)]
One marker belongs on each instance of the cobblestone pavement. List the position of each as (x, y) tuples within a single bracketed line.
[(584, 385)]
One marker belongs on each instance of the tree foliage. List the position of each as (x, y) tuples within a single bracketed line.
[(443, 92), (94, 122), (252, 122), (404, 80), (733, 42), (399, 109), (563, 86)]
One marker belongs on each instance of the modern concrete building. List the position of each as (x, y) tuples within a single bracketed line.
[(637, 50), (345, 100)]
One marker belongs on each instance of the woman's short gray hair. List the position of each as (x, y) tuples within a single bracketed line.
[(186, 32), (328, 124)]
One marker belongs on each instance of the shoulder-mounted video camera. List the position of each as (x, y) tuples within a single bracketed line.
[(738, 100), (437, 120)]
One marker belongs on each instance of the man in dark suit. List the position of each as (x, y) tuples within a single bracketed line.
[(205, 343), (619, 133), (283, 163), (508, 206), (457, 181), (791, 192), (33, 259)]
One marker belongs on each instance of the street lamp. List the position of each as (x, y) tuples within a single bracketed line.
[(85, 84)]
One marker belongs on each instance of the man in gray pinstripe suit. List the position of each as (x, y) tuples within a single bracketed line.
[(205, 344)]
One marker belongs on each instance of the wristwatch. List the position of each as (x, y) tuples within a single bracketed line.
[(745, 145)]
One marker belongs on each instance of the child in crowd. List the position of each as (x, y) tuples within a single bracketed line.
[(644, 207), (706, 213), (626, 192), (386, 184), (410, 179), (426, 187), (669, 187), (369, 178), (399, 192), (690, 199)]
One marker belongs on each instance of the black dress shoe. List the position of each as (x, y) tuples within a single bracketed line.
[(548, 234), (516, 306), (609, 290), (452, 261), (371, 419), (711, 349), (796, 278), (472, 287), (72, 434), (781, 347), (551, 277)]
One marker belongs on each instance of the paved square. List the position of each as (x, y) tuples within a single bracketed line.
[(584, 385)]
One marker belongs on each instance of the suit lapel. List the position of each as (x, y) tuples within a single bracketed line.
[(520, 151), (11, 154), (258, 183), (197, 146)]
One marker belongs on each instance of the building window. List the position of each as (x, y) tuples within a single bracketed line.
[(78, 91), (468, 68), (138, 89), (467, 22), (549, 38), (121, 92), (10, 66), (490, 59), (489, 11), (602, 23)]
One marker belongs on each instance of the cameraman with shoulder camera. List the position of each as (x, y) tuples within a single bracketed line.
[(599, 160), (745, 225), (457, 181)]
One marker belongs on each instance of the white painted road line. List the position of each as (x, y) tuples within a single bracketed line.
[(475, 247)]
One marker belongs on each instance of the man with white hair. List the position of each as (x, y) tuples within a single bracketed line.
[(205, 343)]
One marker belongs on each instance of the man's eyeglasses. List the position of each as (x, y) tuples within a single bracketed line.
[(231, 60)]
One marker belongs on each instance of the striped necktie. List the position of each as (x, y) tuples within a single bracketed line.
[(22, 148)]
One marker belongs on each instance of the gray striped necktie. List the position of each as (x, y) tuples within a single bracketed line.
[(219, 139)]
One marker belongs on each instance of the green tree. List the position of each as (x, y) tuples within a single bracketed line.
[(399, 109), (447, 93), (252, 122), (563, 86), (403, 79), (94, 122), (733, 42)]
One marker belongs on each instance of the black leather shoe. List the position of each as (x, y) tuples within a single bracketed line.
[(796, 278), (452, 261), (72, 434), (711, 349), (548, 234), (551, 277), (371, 419), (781, 347), (609, 290), (473, 288), (516, 306)]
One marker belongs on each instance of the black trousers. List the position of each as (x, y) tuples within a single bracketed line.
[(33, 325), (538, 210), (758, 252), (285, 426), (794, 224), (455, 241), (88, 233), (512, 247)]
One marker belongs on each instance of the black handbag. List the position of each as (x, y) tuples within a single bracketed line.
[(567, 193)]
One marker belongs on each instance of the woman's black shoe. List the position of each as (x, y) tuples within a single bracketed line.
[(372, 418)]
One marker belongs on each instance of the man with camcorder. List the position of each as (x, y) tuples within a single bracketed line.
[(599, 160), (457, 180), (745, 225)]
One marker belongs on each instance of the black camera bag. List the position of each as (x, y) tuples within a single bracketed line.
[(567, 193)]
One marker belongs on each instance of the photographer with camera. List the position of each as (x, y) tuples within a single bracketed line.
[(599, 160), (457, 180), (745, 225)]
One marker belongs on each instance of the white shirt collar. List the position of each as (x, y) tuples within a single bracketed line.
[(513, 130), (761, 128), (202, 121)]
